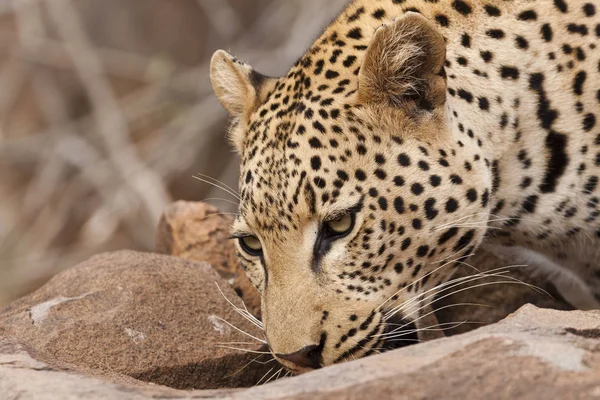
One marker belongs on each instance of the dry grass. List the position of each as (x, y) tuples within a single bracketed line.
[(106, 112)]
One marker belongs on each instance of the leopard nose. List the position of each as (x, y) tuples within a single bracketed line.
[(308, 357)]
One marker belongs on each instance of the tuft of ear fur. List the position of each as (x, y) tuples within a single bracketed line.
[(239, 88), (403, 65)]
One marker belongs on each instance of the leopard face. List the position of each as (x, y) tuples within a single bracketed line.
[(356, 199)]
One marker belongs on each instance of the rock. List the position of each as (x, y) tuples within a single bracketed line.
[(22, 377), (131, 316), (199, 232), (534, 354), (489, 300)]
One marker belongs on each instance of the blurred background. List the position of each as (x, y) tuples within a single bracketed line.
[(106, 114)]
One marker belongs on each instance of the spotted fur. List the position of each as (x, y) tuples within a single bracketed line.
[(441, 126)]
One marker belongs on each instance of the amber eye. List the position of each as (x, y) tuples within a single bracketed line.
[(251, 245), (341, 226)]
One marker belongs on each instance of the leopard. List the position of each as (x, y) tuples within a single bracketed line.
[(411, 134)]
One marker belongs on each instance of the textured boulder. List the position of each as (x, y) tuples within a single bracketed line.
[(534, 354), (25, 378), (199, 232), (130, 315)]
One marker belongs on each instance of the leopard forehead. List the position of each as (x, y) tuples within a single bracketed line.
[(311, 150), (310, 147), (306, 167)]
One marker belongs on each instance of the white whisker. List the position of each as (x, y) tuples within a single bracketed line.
[(264, 376), (245, 350), (435, 291), (428, 314), (220, 199), (499, 273), (228, 191), (254, 360), (418, 280), (223, 184), (241, 331), (432, 328), (244, 313), (275, 376)]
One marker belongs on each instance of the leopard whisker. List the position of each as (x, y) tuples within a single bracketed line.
[(245, 350), (473, 226), (450, 285), (474, 287), (244, 313), (511, 267), (228, 191), (264, 376), (434, 289), (237, 343), (254, 360), (220, 199), (431, 328), (458, 220), (431, 293), (242, 331), (275, 376), (419, 280), (223, 184), (432, 313)]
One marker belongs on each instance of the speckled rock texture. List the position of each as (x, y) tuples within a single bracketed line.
[(132, 316)]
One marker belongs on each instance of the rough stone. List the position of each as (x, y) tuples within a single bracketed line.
[(200, 232), (533, 354), (127, 315), (22, 377)]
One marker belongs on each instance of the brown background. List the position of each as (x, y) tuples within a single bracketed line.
[(106, 113)]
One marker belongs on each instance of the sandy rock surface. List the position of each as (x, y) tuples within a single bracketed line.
[(534, 354), (199, 232), (127, 315), (25, 378)]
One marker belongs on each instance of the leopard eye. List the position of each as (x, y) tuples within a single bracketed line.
[(341, 226), (251, 245)]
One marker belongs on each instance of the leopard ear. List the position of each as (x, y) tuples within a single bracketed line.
[(239, 88), (403, 66)]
